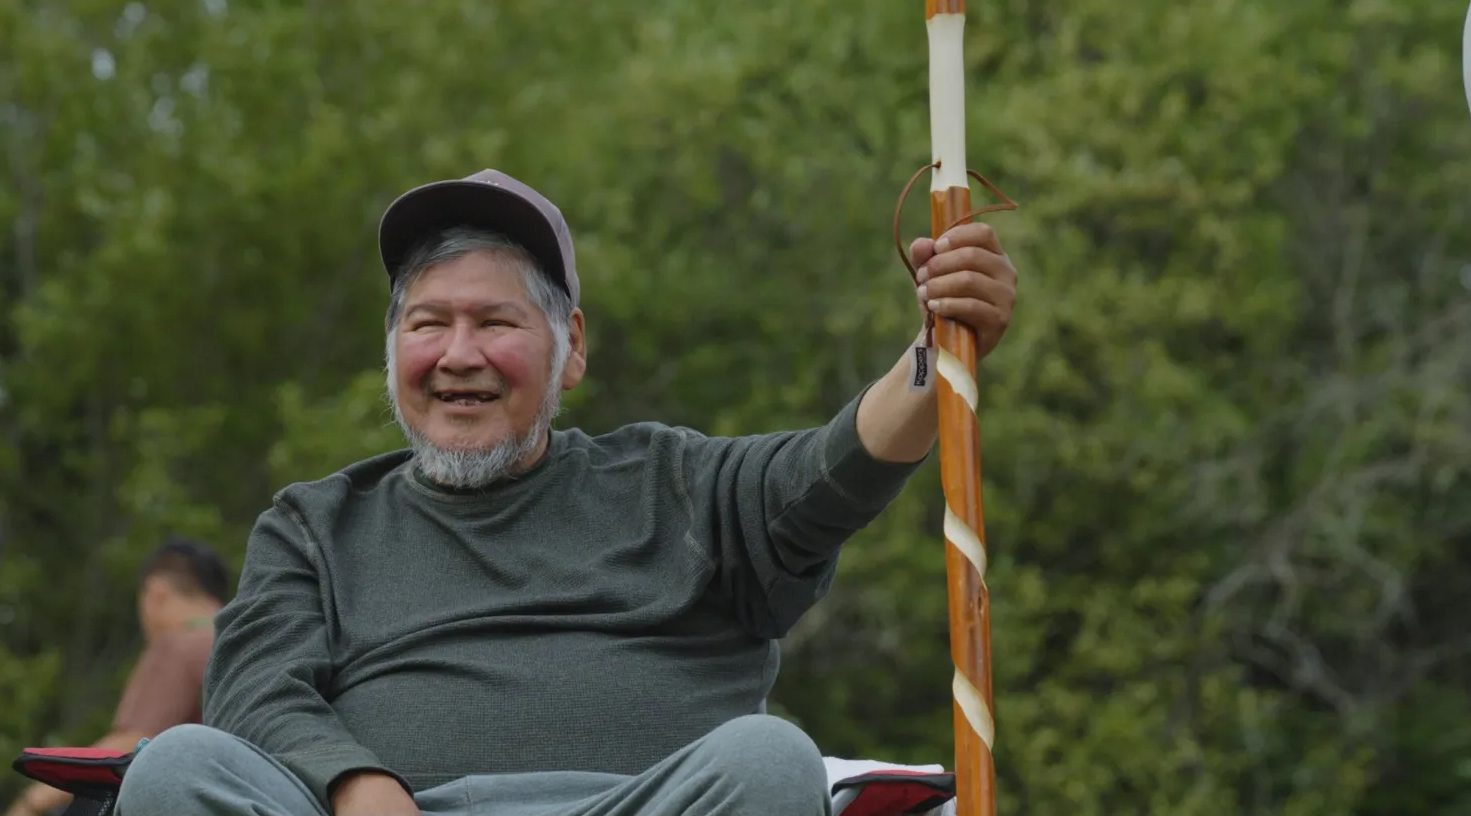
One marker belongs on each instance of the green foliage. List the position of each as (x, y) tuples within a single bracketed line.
[(1226, 440)]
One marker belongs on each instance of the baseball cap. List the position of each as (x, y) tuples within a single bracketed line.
[(489, 200)]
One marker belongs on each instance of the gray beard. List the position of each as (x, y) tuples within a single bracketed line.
[(474, 468)]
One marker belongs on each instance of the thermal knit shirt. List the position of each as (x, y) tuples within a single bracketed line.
[(617, 601)]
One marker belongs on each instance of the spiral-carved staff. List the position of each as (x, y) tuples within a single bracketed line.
[(960, 438)]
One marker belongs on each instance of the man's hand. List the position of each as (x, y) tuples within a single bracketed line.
[(965, 276), (372, 794)]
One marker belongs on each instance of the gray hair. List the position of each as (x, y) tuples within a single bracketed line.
[(545, 294), (476, 468)]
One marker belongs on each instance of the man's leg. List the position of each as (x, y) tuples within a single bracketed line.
[(757, 765), (200, 771)]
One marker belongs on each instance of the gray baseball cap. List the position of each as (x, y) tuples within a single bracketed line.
[(489, 200)]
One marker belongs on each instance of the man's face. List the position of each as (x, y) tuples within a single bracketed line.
[(473, 356)]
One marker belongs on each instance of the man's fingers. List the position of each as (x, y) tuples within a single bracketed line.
[(968, 259), (921, 250), (987, 319), (969, 286), (974, 234)]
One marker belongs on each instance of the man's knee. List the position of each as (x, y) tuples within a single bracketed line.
[(171, 765), (773, 764)]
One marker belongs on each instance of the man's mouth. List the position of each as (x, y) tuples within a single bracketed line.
[(465, 397)]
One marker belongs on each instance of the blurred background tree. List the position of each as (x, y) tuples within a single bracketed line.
[(1228, 441)]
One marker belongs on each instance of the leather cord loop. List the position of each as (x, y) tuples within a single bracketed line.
[(1006, 204)]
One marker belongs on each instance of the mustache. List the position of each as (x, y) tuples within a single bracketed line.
[(492, 385)]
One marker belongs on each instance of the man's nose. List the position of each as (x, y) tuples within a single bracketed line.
[(462, 353)]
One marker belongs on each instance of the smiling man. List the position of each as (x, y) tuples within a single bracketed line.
[(515, 620), (468, 352)]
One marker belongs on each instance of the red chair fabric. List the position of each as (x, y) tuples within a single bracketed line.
[(91, 775), (895, 792)]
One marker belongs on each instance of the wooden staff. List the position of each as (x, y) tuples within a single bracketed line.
[(960, 437)]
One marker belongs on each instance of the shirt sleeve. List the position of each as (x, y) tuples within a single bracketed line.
[(776, 508), (163, 690), (271, 659)]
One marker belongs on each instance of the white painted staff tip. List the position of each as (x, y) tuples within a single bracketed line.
[(947, 99)]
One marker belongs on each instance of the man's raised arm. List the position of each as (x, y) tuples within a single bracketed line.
[(775, 508), (271, 658)]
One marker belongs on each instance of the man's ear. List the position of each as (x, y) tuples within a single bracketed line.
[(576, 366)]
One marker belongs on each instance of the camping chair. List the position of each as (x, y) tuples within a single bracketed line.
[(858, 787), (91, 775)]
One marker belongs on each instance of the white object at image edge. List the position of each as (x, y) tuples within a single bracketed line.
[(1466, 57)]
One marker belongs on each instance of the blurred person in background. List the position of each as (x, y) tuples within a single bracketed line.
[(184, 584)]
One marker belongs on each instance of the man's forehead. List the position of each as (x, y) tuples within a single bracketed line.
[(463, 302), (480, 271)]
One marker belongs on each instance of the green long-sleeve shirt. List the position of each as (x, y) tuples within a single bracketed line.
[(614, 603)]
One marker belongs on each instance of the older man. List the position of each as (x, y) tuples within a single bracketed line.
[(514, 620)]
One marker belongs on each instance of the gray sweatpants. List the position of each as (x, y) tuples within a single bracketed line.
[(756, 765)]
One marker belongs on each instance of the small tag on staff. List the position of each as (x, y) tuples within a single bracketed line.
[(921, 368)]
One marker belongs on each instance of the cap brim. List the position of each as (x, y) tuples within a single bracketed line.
[(424, 211)]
